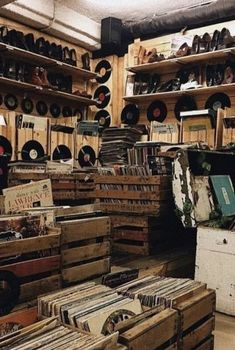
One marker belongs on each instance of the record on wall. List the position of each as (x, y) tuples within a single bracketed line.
[(219, 100), (11, 102), (55, 110), (78, 113), (61, 152), (102, 96), (184, 103), (32, 150), (27, 105), (104, 118), (5, 147), (86, 156), (157, 111), (103, 70), (41, 108), (67, 111), (130, 114)]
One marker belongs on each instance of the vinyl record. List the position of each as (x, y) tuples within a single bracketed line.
[(67, 111), (5, 147), (104, 118), (103, 70), (78, 113), (184, 103), (130, 114), (218, 100), (55, 110), (102, 96), (86, 156), (41, 108), (157, 111), (11, 102), (32, 150), (61, 152), (27, 105)]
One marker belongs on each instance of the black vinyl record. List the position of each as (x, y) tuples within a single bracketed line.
[(130, 114), (27, 105), (78, 113), (67, 111), (103, 70), (55, 110), (11, 102), (61, 152), (41, 108), (5, 147), (184, 103), (104, 118), (157, 111), (32, 150), (218, 100), (102, 96), (86, 156)]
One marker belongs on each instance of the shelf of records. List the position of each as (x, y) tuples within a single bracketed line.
[(151, 313)]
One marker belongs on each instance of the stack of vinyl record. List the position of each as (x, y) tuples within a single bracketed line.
[(49, 334), (155, 290), (90, 307), (116, 142)]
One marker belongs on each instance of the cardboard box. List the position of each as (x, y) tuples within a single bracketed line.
[(33, 194)]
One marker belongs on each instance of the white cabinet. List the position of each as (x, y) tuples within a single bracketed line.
[(215, 265)]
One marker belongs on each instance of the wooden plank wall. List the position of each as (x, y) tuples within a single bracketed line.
[(163, 46)]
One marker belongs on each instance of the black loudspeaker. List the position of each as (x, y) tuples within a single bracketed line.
[(111, 29)]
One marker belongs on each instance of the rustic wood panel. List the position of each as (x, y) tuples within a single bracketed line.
[(197, 335)]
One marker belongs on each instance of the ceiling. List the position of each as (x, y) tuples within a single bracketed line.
[(129, 10)]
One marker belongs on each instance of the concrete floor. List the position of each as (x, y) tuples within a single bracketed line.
[(224, 332)]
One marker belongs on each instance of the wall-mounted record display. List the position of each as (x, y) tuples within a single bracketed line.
[(41, 108), (78, 113), (55, 110), (32, 150), (11, 102), (130, 114), (61, 152), (27, 105), (102, 96), (218, 100), (103, 70), (5, 147), (67, 111), (86, 156), (157, 111), (184, 103), (104, 118)]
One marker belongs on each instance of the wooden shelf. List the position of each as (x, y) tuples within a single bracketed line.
[(171, 94), (174, 63), (26, 87), (46, 62)]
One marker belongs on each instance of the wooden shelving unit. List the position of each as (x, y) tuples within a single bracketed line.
[(46, 62), (175, 63), (171, 94), (26, 87)]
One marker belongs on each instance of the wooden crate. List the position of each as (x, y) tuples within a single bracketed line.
[(134, 194), (141, 235), (38, 267), (85, 248), (153, 332), (207, 344)]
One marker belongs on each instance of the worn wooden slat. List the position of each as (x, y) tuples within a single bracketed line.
[(131, 194), (207, 345), (197, 290), (153, 332), (28, 245), (151, 209), (24, 317), (197, 335), (34, 266), (135, 180), (125, 220), (77, 230), (69, 256), (85, 271), (131, 248), (134, 235)]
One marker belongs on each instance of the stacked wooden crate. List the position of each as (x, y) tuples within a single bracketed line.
[(137, 206)]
